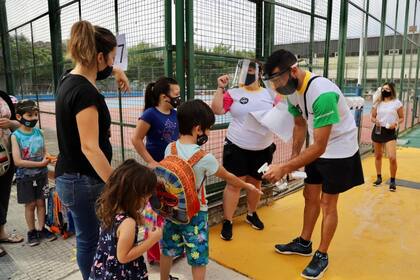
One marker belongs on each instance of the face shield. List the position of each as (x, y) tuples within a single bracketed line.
[(247, 72), (281, 82)]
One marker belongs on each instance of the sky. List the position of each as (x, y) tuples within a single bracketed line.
[(231, 22)]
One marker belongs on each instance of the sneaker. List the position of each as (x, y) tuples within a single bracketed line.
[(392, 187), (226, 233), (378, 181), (317, 266), (295, 248), (254, 221), (46, 235), (33, 238)]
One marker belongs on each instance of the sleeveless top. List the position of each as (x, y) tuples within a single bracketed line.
[(106, 265)]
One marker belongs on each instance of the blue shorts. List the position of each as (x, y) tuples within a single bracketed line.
[(193, 237)]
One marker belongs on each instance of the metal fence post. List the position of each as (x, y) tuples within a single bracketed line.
[(168, 39), (259, 29), (120, 106), (342, 43), (416, 84), (7, 57), (407, 9), (269, 10), (382, 42), (56, 44), (364, 72), (328, 38), (189, 26), (311, 36), (394, 43), (180, 49)]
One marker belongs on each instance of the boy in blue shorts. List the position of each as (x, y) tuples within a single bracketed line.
[(195, 118), (29, 155)]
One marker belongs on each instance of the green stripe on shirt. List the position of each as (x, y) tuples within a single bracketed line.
[(325, 109)]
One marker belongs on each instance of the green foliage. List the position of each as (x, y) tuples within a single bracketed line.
[(146, 63)]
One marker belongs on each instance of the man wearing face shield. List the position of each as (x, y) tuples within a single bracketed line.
[(244, 150), (332, 161)]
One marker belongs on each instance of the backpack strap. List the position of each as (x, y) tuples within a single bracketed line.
[(173, 149), (196, 157), (304, 94)]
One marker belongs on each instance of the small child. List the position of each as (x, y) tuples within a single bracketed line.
[(195, 119), (29, 155), (120, 205)]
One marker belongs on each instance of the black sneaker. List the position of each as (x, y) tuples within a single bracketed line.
[(46, 235), (378, 181), (392, 187), (317, 266), (254, 221), (295, 248), (32, 238), (226, 233)]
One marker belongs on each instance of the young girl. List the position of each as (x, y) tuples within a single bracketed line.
[(159, 125), (125, 195)]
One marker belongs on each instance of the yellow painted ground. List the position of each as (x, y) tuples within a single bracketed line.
[(378, 235)]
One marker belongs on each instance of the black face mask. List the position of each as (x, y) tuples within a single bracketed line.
[(250, 78), (202, 139), (174, 101), (290, 87), (386, 93), (28, 123), (103, 74)]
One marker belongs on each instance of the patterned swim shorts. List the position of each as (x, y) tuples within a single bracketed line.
[(193, 238)]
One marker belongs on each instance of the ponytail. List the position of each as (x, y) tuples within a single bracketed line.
[(155, 89), (86, 41), (150, 100)]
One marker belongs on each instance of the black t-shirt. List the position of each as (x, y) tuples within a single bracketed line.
[(76, 93)]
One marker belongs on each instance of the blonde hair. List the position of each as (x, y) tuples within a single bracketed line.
[(86, 41)]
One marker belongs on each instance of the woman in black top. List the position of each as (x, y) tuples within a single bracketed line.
[(83, 131)]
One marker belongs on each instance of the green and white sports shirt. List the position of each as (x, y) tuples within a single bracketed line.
[(326, 105)]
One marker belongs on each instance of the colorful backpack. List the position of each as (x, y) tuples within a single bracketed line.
[(177, 196), (58, 217)]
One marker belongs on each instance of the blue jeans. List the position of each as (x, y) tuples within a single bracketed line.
[(79, 193)]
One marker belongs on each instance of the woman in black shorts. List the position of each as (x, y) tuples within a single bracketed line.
[(386, 114), (245, 150)]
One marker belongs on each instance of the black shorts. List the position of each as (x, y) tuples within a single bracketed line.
[(335, 175), (31, 189), (243, 162), (385, 136)]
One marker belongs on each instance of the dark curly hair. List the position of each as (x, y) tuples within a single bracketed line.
[(126, 191)]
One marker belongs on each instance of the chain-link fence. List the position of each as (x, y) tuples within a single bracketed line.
[(358, 44)]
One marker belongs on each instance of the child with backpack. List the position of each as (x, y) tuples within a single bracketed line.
[(189, 231), (120, 207), (30, 158), (159, 125)]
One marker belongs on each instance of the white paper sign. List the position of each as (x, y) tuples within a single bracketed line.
[(278, 120), (121, 58), (253, 122)]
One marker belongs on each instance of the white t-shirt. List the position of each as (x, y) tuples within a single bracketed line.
[(326, 105), (207, 166), (387, 112), (240, 103)]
